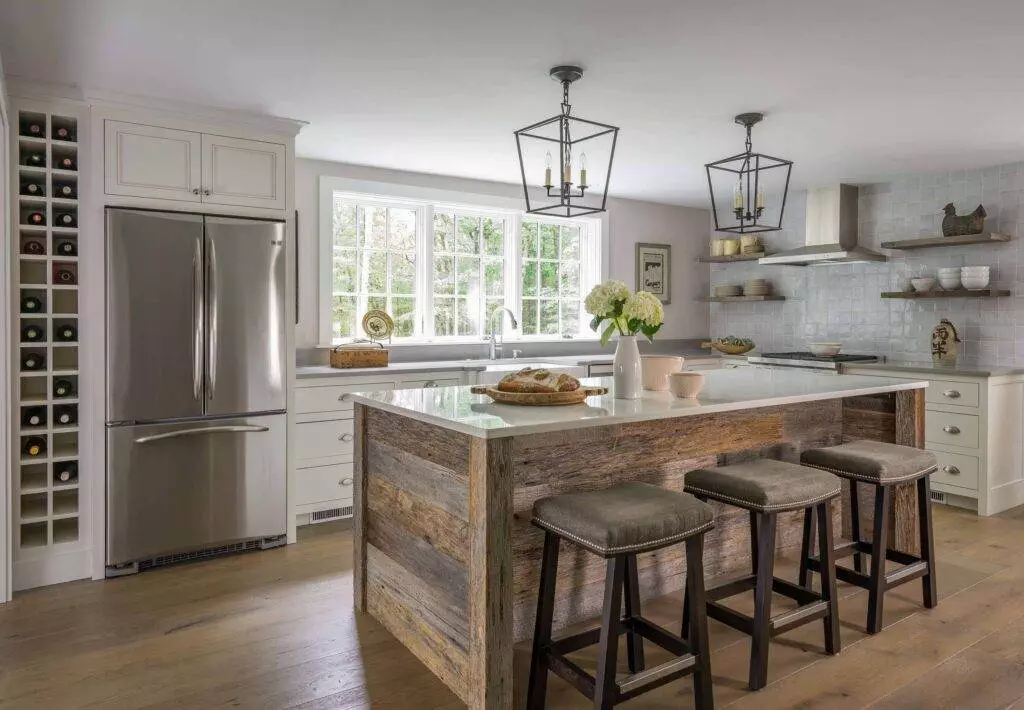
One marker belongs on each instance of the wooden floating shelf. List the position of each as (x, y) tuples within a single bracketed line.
[(959, 293), (739, 299), (986, 238), (731, 258)]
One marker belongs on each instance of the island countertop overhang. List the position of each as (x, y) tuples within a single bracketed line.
[(457, 409)]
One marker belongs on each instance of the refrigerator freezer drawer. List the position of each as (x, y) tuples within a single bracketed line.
[(179, 487)]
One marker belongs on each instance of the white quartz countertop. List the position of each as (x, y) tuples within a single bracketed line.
[(458, 409)]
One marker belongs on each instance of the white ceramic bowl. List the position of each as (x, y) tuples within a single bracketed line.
[(975, 269), (923, 284), (949, 283), (974, 283), (657, 368), (825, 349), (686, 384)]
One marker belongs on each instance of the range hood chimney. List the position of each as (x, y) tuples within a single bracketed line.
[(831, 231)]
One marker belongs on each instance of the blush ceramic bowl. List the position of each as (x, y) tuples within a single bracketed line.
[(686, 384), (657, 368)]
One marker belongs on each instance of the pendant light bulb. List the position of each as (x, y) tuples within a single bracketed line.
[(547, 170), (583, 169)]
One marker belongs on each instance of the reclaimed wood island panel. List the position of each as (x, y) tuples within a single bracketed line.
[(445, 555)]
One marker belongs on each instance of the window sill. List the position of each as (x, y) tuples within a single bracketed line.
[(472, 341)]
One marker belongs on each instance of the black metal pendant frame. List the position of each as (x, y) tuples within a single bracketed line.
[(565, 192), (748, 167)]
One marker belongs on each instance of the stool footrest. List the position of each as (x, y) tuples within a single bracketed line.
[(913, 567), (803, 614), (639, 683), (569, 644), (812, 605)]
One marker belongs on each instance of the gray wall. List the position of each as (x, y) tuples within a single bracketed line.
[(842, 302)]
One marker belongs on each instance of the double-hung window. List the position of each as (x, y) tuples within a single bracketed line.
[(444, 270)]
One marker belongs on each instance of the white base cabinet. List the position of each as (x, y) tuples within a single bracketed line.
[(324, 440), (975, 427)]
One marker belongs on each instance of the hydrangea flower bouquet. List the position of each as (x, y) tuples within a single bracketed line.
[(627, 313)]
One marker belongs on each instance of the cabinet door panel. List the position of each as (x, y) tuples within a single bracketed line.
[(151, 161), (244, 173)]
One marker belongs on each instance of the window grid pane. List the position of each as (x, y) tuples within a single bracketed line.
[(468, 264), (551, 278)]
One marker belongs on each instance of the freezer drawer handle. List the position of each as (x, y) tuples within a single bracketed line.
[(345, 437), (951, 470), (950, 429), (234, 429), (952, 394)]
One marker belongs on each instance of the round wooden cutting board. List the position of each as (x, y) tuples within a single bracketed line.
[(539, 399)]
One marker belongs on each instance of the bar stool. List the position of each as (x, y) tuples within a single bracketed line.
[(766, 487), (880, 465), (617, 524)]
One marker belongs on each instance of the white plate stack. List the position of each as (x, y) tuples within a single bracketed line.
[(756, 287)]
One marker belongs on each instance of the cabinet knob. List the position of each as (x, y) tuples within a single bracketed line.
[(951, 470), (952, 394), (195, 190), (345, 482), (344, 397), (345, 437), (206, 191), (950, 429)]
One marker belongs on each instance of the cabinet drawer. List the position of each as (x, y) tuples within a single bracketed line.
[(317, 440), (599, 370), (958, 470), (427, 383), (320, 483), (333, 397), (949, 428), (962, 394)]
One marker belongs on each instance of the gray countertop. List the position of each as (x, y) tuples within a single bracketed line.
[(930, 368)]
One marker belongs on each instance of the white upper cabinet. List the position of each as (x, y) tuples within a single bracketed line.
[(242, 172), (169, 164), (150, 161)]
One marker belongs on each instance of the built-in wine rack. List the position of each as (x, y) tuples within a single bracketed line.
[(47, 502)]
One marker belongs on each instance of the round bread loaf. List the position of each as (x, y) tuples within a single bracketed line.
[(538, 381)]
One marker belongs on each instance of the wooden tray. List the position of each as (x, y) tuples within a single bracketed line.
[(539, 399)]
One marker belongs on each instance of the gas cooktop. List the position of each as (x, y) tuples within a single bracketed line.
[(806, 359)]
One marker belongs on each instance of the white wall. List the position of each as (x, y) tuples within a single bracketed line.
[(628, 222), (6, 554)]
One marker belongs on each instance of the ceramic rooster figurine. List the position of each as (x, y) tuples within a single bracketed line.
[(954, 225)]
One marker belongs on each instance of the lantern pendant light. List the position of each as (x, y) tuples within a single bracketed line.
[(567, 189), (757, 186)]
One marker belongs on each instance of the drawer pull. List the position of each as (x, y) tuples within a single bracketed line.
[(345, 482), (345, 437), (951, 470), (950, 429), (952, 394), (344, 397), (430, 383)]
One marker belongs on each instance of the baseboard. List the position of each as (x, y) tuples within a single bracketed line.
[(53, 568)]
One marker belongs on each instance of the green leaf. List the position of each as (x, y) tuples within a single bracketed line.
[(649, 331), (607, 334), (595, 323)]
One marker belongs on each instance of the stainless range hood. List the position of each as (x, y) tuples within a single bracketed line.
[(831, 231)]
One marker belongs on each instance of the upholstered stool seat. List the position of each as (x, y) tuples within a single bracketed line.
[(766, 487), (617, 524), (883, 466)]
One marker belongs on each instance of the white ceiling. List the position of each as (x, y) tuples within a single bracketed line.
[(853, 90)]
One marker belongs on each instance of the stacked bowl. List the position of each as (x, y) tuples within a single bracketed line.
[(727, 290), (975, 278), (949, 278), (756, 287)]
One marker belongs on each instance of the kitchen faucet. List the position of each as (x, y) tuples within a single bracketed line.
[(496, 338)]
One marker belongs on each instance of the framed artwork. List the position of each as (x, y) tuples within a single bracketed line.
[(653, 270)]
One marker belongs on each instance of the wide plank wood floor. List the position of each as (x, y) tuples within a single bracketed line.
[(276, 630)]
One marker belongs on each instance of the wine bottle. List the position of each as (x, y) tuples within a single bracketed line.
[(65, 414), (64, 276), (63, 388), (32, 246), (31, 304), (33, 416), (32, 129), (66, 163), (32, 333), (31, 361), (63, 133), (64, 219), (65, 472), (64, 189), (67, 247), (31, 188), (67, 333), (36, 219), (34, 159), (34, 447)]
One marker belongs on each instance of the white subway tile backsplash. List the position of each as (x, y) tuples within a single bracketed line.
[(843, 302)]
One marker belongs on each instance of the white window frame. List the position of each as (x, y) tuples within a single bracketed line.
[(593, 250)]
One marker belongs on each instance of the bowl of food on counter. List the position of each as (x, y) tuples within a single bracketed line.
[(730, 345)]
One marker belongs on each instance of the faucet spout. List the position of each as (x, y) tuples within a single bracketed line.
[(496, 337)]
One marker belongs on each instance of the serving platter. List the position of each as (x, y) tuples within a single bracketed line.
[(539, 399)]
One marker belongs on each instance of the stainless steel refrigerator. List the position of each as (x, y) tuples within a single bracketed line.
[(195, 406)]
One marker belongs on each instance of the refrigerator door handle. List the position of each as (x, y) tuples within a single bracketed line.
[(197, 319), (211, 337), (233, 429)]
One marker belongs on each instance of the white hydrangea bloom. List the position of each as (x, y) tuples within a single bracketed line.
[(644, 306), (601, 299)]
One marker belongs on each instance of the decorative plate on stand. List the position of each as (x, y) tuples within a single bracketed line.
[(378, 325)]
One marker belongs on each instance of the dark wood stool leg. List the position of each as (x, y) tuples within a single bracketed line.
[(761, 636), (753, 542), (879, 545), (833, 644), (806, 548), (924, 522), (634, 642), (858, 558), (611, 622), (685, 630), (703, 696), (538, 685)]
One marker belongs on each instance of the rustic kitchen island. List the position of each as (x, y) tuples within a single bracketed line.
[(445, 555)]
